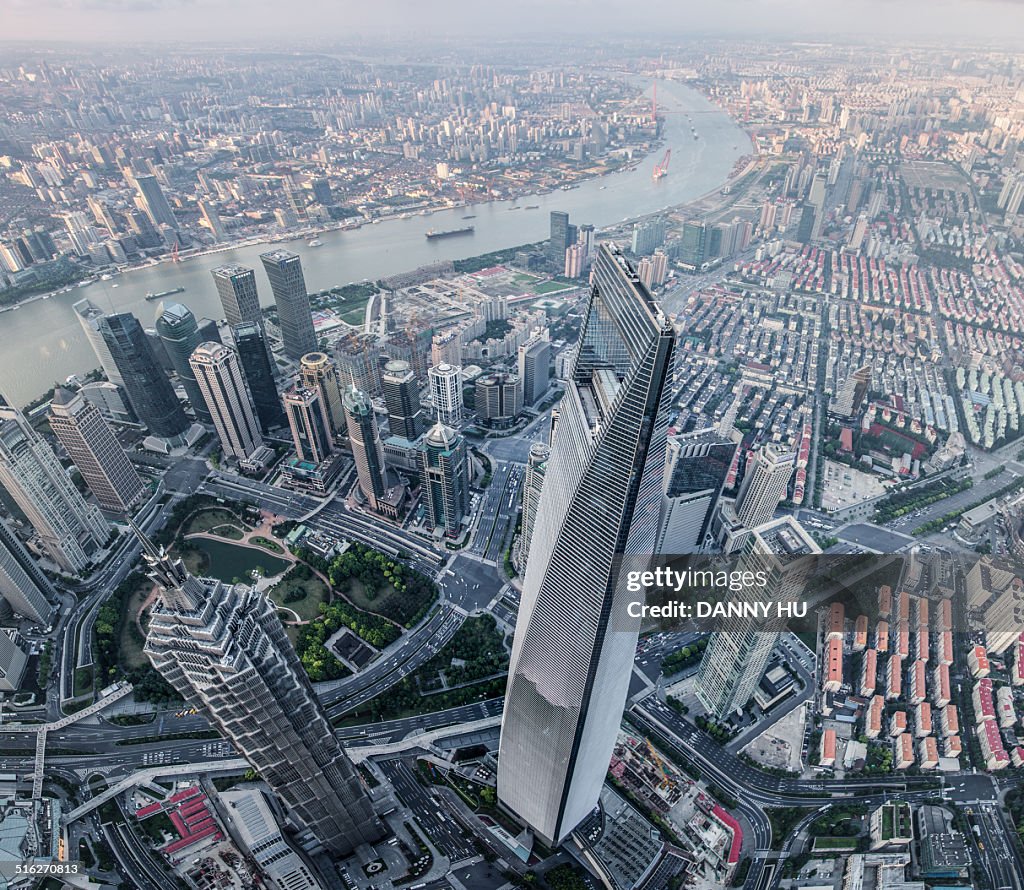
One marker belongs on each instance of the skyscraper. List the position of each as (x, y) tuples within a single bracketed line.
[(446, 393), (223, 648), (154, 202), (89, 316), (533, 485), (535, 368), (735, 659), (149, 391), (94, 449), (444, 473), (310, 433), (764, 485), (559, 240), (498, 399), (402, 397), (180, 335), (698, 464), (284, 270), (693, 245), (236, 287), (23, 584), (318, 371), (569, 673), (222, 384), (851, 395), (213, 220), (251, 345), (367, 450), (70, 529)]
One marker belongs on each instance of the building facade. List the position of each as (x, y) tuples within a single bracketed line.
[(23, 585), (402, 398), (446, 393), (236, 287), (364, 436), (569, 673), (444, 474), (254, 355), (94, 449), (287, 283), (179, 333), (310, 433), (223, 388), (318, 371)]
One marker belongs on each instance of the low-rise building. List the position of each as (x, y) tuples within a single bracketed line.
[(891, 825)]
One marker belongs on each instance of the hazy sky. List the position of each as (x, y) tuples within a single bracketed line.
[(261, 20)]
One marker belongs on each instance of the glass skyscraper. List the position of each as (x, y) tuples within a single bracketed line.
[(251, 344), (149, 391), (179, 332), (570, 670), (284, 270)]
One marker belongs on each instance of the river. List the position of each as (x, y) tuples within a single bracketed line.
[(43, 342)]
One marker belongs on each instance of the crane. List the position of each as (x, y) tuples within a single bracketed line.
[(666, 781), (661, 168)]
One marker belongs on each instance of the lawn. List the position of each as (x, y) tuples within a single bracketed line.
[(266, 544), (550, 287), (301, 591), (209, 520)]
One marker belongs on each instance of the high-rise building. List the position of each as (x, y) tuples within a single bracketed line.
[(698, 464), (535, 368), (224, 649), (236, 287), (356, 356), (693, 245), (226, 395), (251, 345), (570, 671), (94, 449), (575, 261), (533, 485), (213, 221), (89, 316), (364, 436), (736, 657), (71, 530), (559, 240), (444, 473), (850, 398), (154, 202), (321, 190), (647, 236), (149, 391), (402, 398), (179, 332), (310, 433), (318, 371), (764, 485), (859, 231), (499, 399), (287, 283), (446, 393), (23, 585), (14, 652)]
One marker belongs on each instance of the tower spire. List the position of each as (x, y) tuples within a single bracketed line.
[(182, 592)]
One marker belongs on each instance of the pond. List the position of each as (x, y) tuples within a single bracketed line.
[(229, 562)]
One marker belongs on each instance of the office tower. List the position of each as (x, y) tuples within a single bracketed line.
[(367, 450), (222, 384), (559, 240), (402, 398), (14, 651), (284, 270), (697, 466), (110, 400), (575, 261), (23, 585), (236, 287), (154, 202), (569, 673), (740, 647), (693, 245), (213, 220), (764, 485), (850, 398), (586, 238), (89, 316), (321, 190), (444, 473), (94, 449), (251, 345), (318, 371), (310, 433), (223, 648), (70, 529), (146, 236), (446, 393), (647, 236), (179, 332), (149, 391), (533, 485), (356, 357), (499, 399), (535, 368)]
